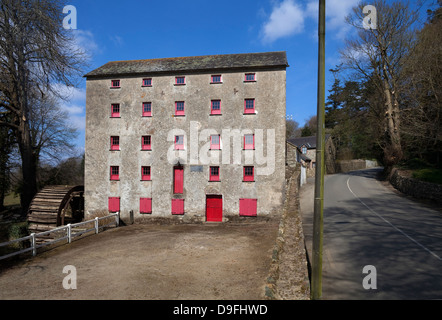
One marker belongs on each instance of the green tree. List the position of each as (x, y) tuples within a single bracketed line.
[(352, 121), (310, 127)]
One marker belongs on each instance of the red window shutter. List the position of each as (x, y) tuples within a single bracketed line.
[(249, 141), (147, 109), (179, 142), (215, 107), (214, 174), (215, 78), (215, 142), (146, 143), (249, 173), (177, 206), (248, 207), (180, 80), (114, 173), (115, 110), (145, 173), (147, 82), (114, 204), (178, 179), (249, 106), (115, 143), (145, 205), (179, 108), (249, 77)]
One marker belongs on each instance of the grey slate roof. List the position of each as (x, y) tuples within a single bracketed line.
[(309, 142), (192, 64)]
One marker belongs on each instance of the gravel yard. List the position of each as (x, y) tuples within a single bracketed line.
[(153, 261)]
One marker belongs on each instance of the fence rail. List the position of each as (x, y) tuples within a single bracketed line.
[(70, 234)]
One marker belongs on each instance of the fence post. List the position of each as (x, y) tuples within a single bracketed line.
[(96, 225), (69, 233), (34, 249)]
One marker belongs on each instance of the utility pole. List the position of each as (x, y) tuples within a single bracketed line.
[(316, 286)]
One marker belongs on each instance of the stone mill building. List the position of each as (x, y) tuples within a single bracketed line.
[(197, 137)]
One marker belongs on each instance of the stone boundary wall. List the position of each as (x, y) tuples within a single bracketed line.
[(288, 277), (355, 164), (349, 165), (415, 188)]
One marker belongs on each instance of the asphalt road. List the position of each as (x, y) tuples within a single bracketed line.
[(367, 223)]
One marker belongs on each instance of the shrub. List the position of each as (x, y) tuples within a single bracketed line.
[(16, 231), (429, 175)]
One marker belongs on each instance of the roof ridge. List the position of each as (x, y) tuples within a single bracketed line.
[(199, 56), (191, 63)]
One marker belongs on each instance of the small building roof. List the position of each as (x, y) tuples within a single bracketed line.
[(309, 142), (191, 64)]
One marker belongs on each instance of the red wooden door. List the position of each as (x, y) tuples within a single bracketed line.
[(178, 179), (214, 208)]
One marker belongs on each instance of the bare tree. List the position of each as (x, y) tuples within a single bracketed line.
[(310, 127), (292, 129), (379, 54), (422, 117), (35, 52), (6, 145), (51, 133)]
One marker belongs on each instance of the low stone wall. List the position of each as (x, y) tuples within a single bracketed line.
[(288, 276), (415, 188), (350, 165)]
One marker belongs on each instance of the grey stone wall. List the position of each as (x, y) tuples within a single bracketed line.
[(197, 124), (415, 188), (291, 155), (288, 277), (350, 165)]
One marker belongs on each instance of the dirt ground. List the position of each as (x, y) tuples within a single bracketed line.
[(211, 261)]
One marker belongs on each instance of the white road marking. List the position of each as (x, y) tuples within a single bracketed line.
[(392, 225)]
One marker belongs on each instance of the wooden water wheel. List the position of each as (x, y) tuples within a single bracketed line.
[(55, 206)]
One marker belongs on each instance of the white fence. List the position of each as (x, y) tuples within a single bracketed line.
[(67, 232)]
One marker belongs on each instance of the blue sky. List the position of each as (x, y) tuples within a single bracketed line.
[(134, 29)]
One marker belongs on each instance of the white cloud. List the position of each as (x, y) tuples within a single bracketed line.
[(72, 109), (336, 11), (117, 40), (74, 103), (84, 41), (79, 122), (286, 19)]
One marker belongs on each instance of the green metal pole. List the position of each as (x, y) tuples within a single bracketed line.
[(316, 286)]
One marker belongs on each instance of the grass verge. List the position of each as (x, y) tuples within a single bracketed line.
[(432, 175)]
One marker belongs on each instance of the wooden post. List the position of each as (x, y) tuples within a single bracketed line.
[(316, 288), (96, 225), (34, 249), (69, 233)]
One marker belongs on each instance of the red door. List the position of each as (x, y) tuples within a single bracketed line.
[(178, 179), (214, 208)]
